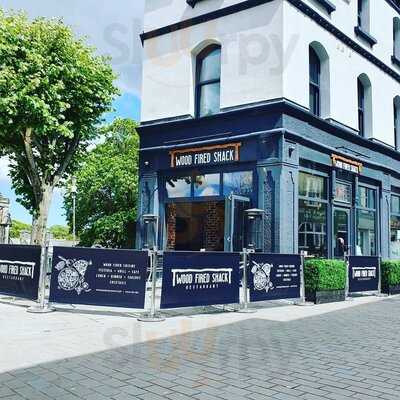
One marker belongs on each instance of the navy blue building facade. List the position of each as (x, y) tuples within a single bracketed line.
[(324, 189)]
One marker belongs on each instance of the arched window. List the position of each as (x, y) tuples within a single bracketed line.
[(396, 121), (319, 80), (396, 38), (315, 83), (208, 81), (364, 106)]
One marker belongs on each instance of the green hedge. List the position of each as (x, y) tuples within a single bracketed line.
[(390, 273), (320, 275)]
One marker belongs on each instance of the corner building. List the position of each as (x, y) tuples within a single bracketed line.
[(290, 106)]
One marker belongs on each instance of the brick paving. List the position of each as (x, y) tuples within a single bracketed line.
[(347, 354)]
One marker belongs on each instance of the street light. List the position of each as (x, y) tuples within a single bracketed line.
[(254, 229), (74, 190)]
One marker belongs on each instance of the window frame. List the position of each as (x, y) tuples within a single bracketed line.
[(361, 107), (200, 84), (314, 86)]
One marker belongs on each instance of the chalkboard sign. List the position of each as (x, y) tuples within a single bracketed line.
[(115, 278), (200, 279), (20, 271), (274, 276)]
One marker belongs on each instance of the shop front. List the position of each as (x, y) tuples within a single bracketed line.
[(323, 193), (202, 195)]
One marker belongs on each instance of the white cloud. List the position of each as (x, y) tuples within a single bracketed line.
[(111, 26)]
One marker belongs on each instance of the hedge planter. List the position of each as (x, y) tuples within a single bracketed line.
[(391, 277), (391, 290), (325, 281), (326, 296)]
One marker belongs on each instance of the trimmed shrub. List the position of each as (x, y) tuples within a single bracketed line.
[(390, 271), (324, 275)]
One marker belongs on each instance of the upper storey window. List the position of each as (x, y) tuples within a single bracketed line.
[(364, 106), (208, 81), (362, 29), (315, 83), (396, 41)]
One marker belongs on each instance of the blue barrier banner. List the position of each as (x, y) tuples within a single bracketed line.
[(274, 276), (20, 271), (363, 274), (200, 279), (100, 277)]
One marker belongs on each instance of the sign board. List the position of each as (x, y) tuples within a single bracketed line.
[(346, 164), (200, 279), (101, 277), (274, 276), (204, 156), (20, 271), (363, 274)]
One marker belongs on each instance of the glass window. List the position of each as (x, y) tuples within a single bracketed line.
[(179, 187), (315, 82), (312, 186), (208, 81), (240, 183), (207, 185), (366, 197), (312, 228), (343, 192), (395, 209), (395, 236), (366, 233)]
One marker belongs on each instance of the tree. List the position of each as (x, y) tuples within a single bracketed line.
[(53, 92), (60, 232), (17, 227), (107, 185)]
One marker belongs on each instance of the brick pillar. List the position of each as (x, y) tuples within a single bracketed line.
[(171, 226), (214, 226)]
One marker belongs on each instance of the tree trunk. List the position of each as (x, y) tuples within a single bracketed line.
[(39, 223)]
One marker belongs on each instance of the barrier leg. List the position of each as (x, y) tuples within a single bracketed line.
[(380, 294), (152, 315), (42, 307), (302, 301), (244, 307)]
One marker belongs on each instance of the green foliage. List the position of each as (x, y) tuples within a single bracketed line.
[(54, 90), (17, 227), (390, 271), (107, 185), (323, 275), (60, 232)]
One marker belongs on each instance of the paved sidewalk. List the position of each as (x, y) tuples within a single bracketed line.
[(342, 351)]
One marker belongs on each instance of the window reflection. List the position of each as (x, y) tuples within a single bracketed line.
[(240, 183), (395, 237), (312, 186), (366, 237), (207, 185), (178, 187)]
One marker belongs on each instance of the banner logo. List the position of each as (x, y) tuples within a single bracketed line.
[(72, 275), (262, 276), (208, 278)]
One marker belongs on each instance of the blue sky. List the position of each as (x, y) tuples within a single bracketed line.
[(114, 28)]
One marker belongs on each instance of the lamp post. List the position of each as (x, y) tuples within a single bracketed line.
[(254, 219), (74, 190)]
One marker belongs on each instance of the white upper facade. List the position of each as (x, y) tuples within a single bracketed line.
[(265, 56)]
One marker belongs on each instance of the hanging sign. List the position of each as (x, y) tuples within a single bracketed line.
[(274, 276), (363, 274), (115, 278), (200, 279), (203, 156), (346, 164), (20, 271)]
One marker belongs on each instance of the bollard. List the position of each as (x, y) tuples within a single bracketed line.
[(244, 307), (347, 288), (42, 307), (302, 301), (152, 315)]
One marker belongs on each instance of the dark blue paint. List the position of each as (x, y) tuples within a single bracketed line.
[(115, 278), (20, 271), (363, 274), (274, 276), (181, 284)]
